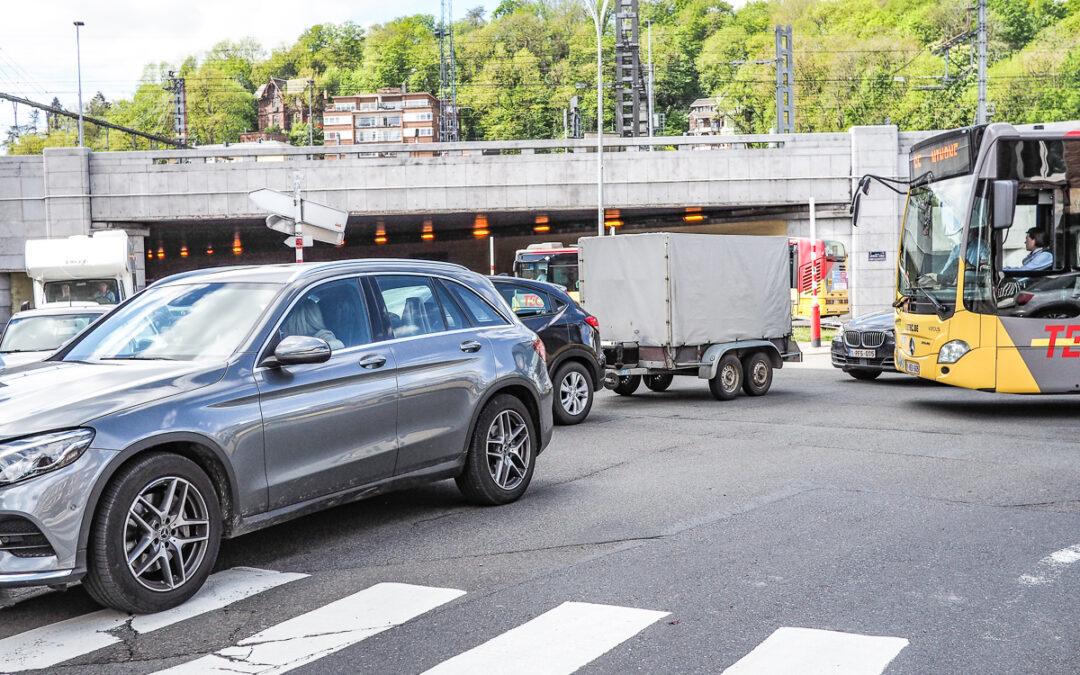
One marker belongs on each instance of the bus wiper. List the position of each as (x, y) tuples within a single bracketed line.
[(938, 307)]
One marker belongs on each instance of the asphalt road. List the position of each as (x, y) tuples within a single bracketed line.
[(945, 522)]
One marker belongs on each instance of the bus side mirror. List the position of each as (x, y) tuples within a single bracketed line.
[(1004, 203)]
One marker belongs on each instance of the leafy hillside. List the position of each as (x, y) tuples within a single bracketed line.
[(856, 62)]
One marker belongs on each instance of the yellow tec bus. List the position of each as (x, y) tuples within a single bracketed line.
[(551, 262), (988, 272), (831, 276)]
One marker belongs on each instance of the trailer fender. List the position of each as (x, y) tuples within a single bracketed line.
[(712, 356)]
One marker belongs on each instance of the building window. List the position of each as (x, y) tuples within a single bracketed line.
[(417, 103), (365, 122), (338, 119), (426, 131), (417, 117), (345, 106), (368, 106)]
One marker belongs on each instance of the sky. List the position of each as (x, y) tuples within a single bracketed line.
[(37, 41)]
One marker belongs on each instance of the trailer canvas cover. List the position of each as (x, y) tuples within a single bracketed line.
[(673, 289)]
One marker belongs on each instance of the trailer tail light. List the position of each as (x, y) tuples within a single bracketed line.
[(593, 321), (538, 346), (1024, 298)]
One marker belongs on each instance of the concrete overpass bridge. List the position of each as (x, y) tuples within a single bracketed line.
[(190, 207)]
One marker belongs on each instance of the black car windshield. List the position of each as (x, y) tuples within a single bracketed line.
[(43, 333), (178, 322)]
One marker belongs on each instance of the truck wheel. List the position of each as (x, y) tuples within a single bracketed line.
[(757, 374), (658, 382), (627, 385), (573, 393), (860, 374), (725, 384)]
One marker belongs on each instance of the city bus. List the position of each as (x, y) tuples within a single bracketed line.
[(988, 271), (551, 262), (831, 277)]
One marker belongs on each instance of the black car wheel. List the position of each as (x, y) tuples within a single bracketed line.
[(861, 374), (659, 382), (155, 535), (728, 379), (757, 374), (573, 393), (499, 465), (627, 385)]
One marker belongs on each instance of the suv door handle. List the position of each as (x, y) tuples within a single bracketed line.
[(470, 346), (373, 361)]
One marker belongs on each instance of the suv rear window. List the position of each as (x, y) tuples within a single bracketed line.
[(481, 313)]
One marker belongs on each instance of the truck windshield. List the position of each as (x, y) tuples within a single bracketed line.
[(181, 322), (554, 268), (931, 242), (101, 291), (43, 333)]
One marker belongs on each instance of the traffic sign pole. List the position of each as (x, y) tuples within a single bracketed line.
[(815, 309), (298, 217)]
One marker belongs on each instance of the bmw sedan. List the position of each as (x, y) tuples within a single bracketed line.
[(864, 347), (218, 402)]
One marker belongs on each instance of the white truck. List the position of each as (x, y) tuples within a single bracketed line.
[(98, 269), (716, 307)]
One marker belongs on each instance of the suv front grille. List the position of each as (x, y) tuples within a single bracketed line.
[(871, 339), (22, 539)]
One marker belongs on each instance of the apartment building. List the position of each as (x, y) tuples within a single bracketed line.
[(389, 115), (707, 118)]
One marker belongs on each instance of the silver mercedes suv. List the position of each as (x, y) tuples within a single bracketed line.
[(218, 402)]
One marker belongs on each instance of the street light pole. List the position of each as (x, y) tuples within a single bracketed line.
[(598, 21), (78, 68), (652, 115)]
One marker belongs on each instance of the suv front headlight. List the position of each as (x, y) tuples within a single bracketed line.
[(952, 350), (23, 458)]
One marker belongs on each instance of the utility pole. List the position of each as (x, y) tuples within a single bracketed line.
[(599, 18), (310, 117), (78, 69), (448, 110), (785, 81), (178, 88), (980, 113), (652, 79), (631, 99)]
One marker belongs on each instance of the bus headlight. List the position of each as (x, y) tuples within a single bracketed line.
[(952, 350)]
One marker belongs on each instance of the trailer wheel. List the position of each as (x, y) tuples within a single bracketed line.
[(757, 374), (658, 382), (728, 379), (627, 385)]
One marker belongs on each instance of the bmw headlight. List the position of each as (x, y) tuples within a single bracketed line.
[(31, 456), (952, 350)]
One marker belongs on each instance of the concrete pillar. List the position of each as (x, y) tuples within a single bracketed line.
[(872, 267), (67, 191)]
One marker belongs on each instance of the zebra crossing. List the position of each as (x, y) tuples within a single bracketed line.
[(558, 641)]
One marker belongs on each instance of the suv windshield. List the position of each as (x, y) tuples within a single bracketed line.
[(931, 242), (43, 333), (181, 322)]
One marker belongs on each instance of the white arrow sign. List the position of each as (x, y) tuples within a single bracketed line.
[(311, 232), (318, 215), (308, 241)]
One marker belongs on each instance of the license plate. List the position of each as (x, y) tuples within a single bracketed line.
[(911, 368), (862, 353)]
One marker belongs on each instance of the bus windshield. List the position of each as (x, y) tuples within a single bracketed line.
[(931, 242), (554, 268)]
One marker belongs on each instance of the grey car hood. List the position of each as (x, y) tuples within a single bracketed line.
[(15, 359), (59, 394), (878, 321)]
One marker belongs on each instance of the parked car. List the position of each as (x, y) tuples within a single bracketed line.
[(571, 337), (33, 334), (218, 402), (864, 347)]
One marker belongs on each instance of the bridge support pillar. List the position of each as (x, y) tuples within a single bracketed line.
[(872, 259), (67, 192)]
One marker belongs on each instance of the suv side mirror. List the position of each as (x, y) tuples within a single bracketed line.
[(300, 349), (1004, 203)]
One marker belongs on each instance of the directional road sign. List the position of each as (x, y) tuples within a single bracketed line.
[(319, 222)]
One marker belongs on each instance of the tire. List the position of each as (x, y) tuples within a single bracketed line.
[(757, 374), (132, 496), (658, 382), (860, 374), (573, 393), (627, 385), (476, 480), (728, 379)]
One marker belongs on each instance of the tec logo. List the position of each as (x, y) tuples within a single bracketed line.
[(1070, 338)]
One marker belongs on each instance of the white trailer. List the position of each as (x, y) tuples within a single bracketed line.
[(713, 306), (82, 269)]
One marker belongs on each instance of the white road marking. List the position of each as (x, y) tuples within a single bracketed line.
[(323, 631), (1052, 566), (808, 651), (559, 641), (58, 642)]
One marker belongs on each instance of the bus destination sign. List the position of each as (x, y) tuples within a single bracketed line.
[(943, 158)]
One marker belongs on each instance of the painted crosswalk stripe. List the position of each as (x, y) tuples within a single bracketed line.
[(559, 641), (323, 631), (812, 652), (58, 642)]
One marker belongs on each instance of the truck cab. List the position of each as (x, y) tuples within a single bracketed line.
[(98, 269)]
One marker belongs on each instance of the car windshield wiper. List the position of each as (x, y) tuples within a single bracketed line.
[(134, 357)]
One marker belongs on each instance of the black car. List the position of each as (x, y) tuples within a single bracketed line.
[(572, 339), (864, 346)]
